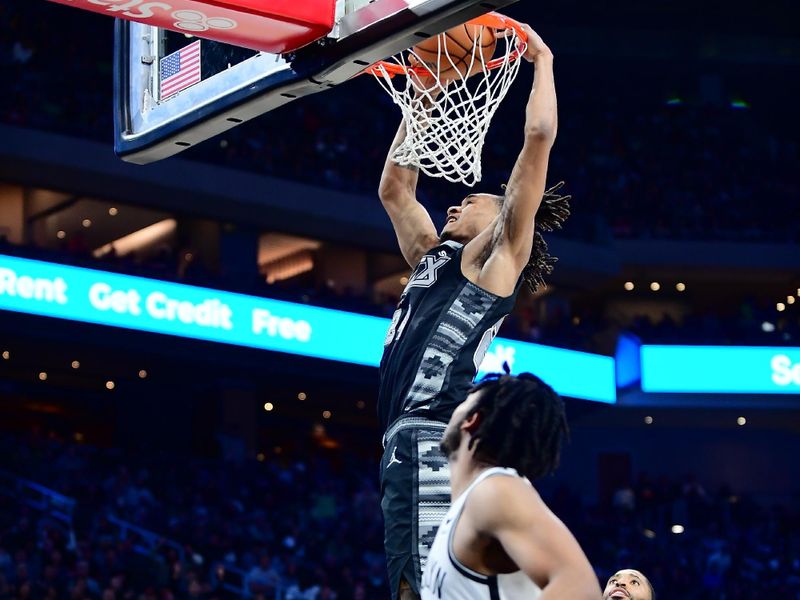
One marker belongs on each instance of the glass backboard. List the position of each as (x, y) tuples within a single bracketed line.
[(234, 84)]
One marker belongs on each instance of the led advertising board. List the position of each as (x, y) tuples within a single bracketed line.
[(720, 369), (92, 296)]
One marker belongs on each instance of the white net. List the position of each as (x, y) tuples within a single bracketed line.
[(447, 119)]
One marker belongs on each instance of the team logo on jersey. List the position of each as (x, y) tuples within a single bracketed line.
[(425, 274)]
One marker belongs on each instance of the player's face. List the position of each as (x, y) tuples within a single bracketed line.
[(475, 213), (627, 584), (451, 440)]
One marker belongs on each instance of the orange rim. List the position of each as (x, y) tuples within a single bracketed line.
[(492, 19)]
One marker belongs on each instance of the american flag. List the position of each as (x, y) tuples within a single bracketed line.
[(180, 70)]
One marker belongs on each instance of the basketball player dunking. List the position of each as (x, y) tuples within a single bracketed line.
[(464, 284), (499, 541)]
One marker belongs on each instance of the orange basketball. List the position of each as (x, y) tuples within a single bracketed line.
[(456, 46)]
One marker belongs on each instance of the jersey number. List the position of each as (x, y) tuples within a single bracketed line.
[(399, 321)]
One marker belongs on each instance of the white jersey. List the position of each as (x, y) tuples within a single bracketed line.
[(445, 578)]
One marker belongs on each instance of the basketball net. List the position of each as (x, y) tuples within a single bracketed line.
[(446, 120)]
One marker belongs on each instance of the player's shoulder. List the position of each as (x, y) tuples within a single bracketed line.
[(502, 499)]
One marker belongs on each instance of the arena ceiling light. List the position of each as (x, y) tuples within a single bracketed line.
[(288, 267), (138, 239), (273, 247)]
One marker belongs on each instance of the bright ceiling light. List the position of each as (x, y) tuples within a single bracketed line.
[(138, 239)]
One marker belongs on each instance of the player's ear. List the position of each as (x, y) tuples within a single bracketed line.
[(471, 423)]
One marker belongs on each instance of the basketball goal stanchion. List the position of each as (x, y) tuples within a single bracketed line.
[(448, 94)]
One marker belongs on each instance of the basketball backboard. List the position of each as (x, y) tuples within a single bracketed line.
[(235, 84)]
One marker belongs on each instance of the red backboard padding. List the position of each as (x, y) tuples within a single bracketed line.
[(293, 23), (275, 26)]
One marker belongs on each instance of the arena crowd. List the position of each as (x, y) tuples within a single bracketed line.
[(327, 541)]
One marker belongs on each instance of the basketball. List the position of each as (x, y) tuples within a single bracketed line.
[(457, 47)]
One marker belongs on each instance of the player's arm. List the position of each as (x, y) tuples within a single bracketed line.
[(512, 512), (513, 235), (413, 226)]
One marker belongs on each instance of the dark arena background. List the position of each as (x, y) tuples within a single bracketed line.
[(141, 462)]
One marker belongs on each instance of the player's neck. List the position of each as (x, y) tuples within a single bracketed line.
[(463, 471)]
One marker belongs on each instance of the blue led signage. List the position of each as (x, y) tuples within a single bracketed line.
[(90, 296), (720, 369)]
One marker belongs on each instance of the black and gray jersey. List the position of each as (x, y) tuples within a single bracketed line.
[(439, 335)]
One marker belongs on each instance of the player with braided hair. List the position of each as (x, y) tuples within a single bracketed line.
[(499, 540), (465, 282), (520, 425)]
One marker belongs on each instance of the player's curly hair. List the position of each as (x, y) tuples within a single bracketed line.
[(521, 424), (551, 215)]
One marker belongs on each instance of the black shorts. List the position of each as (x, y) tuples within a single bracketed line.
[(415, 496)]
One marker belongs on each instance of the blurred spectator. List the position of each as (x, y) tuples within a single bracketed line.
[(264, 518)]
